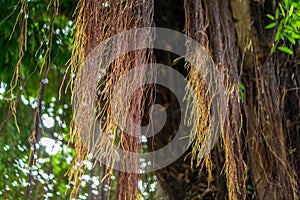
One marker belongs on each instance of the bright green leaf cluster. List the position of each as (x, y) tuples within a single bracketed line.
[(287, 21)]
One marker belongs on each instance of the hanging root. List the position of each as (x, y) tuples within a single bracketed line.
[(198, 96), (92, 89)]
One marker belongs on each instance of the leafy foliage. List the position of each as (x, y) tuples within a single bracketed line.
[(49, 33), (287, 21), (52, 157)]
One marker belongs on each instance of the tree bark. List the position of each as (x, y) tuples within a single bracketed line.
[(257, 131)]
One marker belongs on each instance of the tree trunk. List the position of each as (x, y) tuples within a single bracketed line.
[(257, 143), (255, 139)]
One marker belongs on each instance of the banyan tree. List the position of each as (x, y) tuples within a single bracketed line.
[(257, 153)]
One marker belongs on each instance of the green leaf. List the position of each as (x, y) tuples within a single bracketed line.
[(277, 13), (295, 35), (282, 11), (241, 91), (286, 3), (272, 25), (285, 50), (286, 19), (290, 38), (270, 16), (278, 32), (289, 28), (291, 10), (296, 24), (249, 187), (273, 49)]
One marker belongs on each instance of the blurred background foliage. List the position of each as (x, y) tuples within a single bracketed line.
[(44, 178), (42, 104)]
